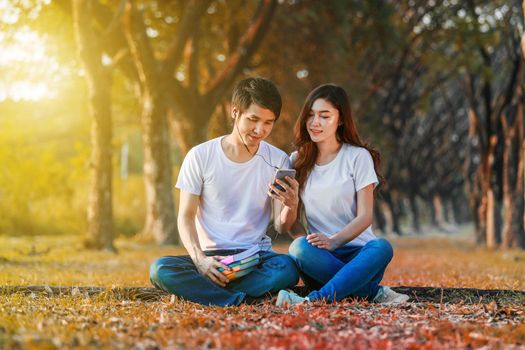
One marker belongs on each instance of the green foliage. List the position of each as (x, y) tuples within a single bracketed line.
[(129, 204), (35, 185), (45, 174)]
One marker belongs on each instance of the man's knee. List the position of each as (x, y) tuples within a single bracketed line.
[(299, 248), (284, 271), (165, 264), (155, 268)]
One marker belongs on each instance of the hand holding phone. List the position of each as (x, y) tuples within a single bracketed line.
[(281, 174)]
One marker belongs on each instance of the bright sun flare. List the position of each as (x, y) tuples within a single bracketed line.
[(28, 71), (25, 66)]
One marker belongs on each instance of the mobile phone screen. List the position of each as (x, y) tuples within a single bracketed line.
[(281, 174)]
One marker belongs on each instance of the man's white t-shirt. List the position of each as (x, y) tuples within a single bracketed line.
[(234, 209), (330, 193)]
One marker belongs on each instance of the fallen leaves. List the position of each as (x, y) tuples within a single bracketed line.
[(76, 321), (51, 317)]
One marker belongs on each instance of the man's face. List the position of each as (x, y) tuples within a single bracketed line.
[(254, 124)]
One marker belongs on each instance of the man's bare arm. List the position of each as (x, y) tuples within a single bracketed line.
[(189, 203), (207, 265)]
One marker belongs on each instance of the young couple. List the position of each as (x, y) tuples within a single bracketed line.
[(226, 196)]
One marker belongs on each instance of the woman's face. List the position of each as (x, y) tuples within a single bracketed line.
[(322, 121)]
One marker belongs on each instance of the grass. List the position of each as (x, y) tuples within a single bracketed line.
[(109, 320), (434, 261)]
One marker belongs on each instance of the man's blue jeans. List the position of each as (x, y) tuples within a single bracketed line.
[(178, 275), (346, 271)]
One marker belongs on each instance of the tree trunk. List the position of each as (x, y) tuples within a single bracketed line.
[(161, 223), (513, 205), (518, 240), (446, 205), (492, 241), (487, 206), (220, 122), (508, 207), (474, 202), (497, 185), (161, 220), (394, 211), (188, 133), (432, 212), (521, 164), (522, 182), (472, 172), (438, 207), (414, 208), (379, 217), (100, 231), (518, 230), (457, 206), (100, 209), (461, 213)]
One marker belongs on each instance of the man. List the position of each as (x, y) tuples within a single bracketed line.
[(225, 208)]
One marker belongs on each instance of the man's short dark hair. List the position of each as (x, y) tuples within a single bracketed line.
[(257, 90)]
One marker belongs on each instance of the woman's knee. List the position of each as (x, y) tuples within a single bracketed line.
[(384, 247), (299, 248)]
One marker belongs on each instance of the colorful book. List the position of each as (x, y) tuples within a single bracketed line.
[(241, 273), (240, 256), (243, 261), (244, 266)]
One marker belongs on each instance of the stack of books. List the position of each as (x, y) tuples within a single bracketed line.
[(241, 264)]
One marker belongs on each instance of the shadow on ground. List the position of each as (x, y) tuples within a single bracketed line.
[(417, 294)]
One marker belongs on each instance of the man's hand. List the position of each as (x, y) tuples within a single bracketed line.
[(290, 196), (208, 265), (321, 241)]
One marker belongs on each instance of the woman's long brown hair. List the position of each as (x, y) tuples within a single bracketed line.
[(346, 132)]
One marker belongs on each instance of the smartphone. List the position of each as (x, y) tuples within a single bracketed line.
[(281, 174)]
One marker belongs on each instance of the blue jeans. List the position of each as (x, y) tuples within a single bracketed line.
[(178, 275), (346, 271)]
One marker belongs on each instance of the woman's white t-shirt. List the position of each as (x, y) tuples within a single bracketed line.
[(234, 209), (330, 193)]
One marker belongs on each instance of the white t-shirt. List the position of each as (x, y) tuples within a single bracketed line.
[(234, 209), (330, 193)]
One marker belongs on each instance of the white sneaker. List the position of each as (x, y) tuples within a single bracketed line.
[(386, 295), (289, 298)]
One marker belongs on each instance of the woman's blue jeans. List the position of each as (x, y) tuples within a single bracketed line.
[(346, 271), (178, 275)]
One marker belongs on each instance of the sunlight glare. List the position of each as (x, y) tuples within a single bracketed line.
[(29, 71), (9, 13), (25, 90)]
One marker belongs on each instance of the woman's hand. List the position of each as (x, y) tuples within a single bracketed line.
[(290, 196), (208, 266), (322, 241)]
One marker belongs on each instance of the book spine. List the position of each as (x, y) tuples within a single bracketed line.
[(249, 264), (238, 274)]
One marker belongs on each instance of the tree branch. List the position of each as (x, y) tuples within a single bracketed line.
[(192, 60), (505, 99), (247, 46), (140, 47), (192, 13)]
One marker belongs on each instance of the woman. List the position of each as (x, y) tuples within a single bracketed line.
[(336, 177)]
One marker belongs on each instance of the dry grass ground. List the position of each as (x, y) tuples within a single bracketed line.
[(110, 320)]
